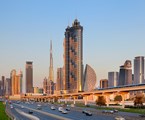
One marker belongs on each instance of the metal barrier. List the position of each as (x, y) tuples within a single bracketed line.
[(9, 113)]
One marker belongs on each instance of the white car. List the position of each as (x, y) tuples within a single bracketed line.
[(64, 111), (11, 106), (60, 109), (52, 108)]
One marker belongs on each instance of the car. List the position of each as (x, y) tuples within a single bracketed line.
[(108, 111), (142, 115), (52, 108), (22, 107), (68, 108), (39, 108), (64, 111), (88, 113), (60, 109), (11, 106), (84, 111), (39, 105), (119, 118), (115, 111), (18, 102), (30, 112)]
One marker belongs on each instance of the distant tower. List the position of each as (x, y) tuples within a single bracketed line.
[(12, 77), (50, 83), (103, 83), (59, 83), (113, 79), (125, 74), (90, 79), (21, 77), (45, 85), (29, 77), (139, 70), (16, 81), (73, 58), (51, 77)]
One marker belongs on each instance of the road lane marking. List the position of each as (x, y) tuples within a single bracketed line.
[(46, 113), (32, 117)]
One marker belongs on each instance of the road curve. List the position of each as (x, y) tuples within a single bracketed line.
[(46, 113)]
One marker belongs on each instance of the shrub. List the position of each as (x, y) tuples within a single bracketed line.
[(101, 101)]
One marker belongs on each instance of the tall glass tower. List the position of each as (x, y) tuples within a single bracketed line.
[(125, 74), (50, 83), (29, 77), (73, 57), (139, 70)]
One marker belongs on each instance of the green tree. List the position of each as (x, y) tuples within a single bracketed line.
[(118, 98), (138, 101), (101, 101)]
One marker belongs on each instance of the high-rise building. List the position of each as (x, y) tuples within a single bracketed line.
[(45, 85), (8, 86), (16, 81), (3, 85), (125, 74), (50, 83), (139, 70), (59, 82), (113, 79), (51, 87), (89, 79), (0, 88), (103, 83), (73, 58), (29, 77)]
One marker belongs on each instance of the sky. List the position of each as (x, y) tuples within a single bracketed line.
[(113, 31)]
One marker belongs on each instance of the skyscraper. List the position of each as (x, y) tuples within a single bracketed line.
[(113, 79), (45, 85), (89, 79), (103, 83), (29, 77), (51, 77), (50, 83), (8, 86), (59, 82), (139, 70), (16, 82), (125, 74), (3, 85), (73, 58)]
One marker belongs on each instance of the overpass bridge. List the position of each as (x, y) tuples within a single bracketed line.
[(121, 90)]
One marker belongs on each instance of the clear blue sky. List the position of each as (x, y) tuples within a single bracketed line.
[(114, 30)]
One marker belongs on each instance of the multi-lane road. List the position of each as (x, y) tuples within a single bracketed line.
[(22, 113)]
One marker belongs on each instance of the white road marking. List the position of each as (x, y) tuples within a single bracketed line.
[(32, 117)]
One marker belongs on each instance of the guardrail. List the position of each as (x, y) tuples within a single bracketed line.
[(9, 113)]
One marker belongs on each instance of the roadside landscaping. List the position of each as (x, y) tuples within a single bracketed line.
[(3, 115), (131, 110)]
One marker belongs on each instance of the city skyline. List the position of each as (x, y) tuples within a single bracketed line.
[(123, 36)]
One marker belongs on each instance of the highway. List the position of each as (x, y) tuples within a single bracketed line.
[(74, 114), (42, 114)]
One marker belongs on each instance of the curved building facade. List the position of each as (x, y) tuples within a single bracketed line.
[(89, 78)]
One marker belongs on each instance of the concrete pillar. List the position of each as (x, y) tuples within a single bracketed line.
[(94, 98), (107, 100), (53, 100), (74, 101), (86, 100), (123, 101), (65, 100)]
